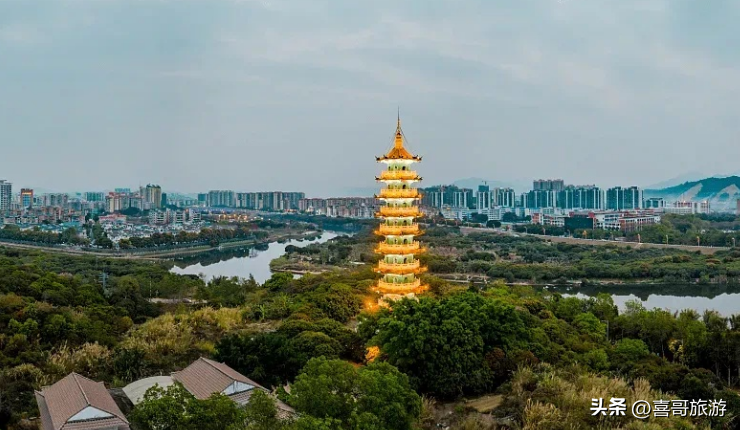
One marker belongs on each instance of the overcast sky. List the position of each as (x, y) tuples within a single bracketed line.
[(301, 95)]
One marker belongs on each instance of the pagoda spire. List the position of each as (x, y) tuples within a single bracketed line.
[(399, 134)]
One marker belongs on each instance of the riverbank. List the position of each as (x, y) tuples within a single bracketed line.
[(241, 264), (159, 254)]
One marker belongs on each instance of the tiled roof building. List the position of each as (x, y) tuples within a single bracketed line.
[(78, 403), (206, 377)]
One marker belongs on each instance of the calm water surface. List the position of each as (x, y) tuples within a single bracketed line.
[(242, 263), (252, 261), (725, 302)]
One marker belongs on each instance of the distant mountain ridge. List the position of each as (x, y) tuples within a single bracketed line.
[(678, 180), (721, 192)]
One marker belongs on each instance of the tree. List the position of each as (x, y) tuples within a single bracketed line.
[(387, 394), (377, 396), (163, 409), (175, 408), (338, 301), (628, 351), (279, 281), (261, 412), (441, 344), (590, 325), (325, 389)]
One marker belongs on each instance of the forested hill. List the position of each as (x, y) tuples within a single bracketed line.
[(722, 193)]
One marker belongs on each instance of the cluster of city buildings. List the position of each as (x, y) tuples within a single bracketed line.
[(273, 201), (349, 207), (118, 226), (553, 202), (27, 204), (549, 202), (56, 212)]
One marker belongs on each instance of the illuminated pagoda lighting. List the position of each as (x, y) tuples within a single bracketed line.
[(400, 264)]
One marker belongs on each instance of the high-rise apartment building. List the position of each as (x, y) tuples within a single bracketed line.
[(620, 199), (152, 195), (588, 197), (548, 185), (270, 200), (95, 196), (221, 198), (503, 197), (538, 199), (26, 198), (483, 198), (118, 201), (56, 200), (6, 194)]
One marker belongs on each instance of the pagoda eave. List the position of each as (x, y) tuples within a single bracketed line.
[(406, 161), (392, 180)]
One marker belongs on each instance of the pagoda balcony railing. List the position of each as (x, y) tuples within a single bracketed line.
[(401, 249), (397, 230), (398, 175), (398, 211), (400, 268), (405, 288), (408, 193)]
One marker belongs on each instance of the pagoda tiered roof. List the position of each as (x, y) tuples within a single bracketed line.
[(399, 152), (399, 249)]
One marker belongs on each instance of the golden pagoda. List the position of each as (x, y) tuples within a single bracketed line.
[(400, 249)]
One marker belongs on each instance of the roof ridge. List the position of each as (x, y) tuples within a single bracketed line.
[(84, 394), (211, 363), (89, 404)]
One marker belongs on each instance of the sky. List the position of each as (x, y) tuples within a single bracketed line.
[(301, 95)]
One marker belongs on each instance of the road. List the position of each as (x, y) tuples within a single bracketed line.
[(706, 250), (152, 254)]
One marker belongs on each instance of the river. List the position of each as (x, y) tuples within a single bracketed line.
[(252, 260), (724, 299), (242, 262)]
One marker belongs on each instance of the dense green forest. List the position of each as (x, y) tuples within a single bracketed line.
[(407, 368)]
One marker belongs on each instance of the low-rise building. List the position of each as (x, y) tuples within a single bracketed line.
[(688, 208), (78, 403), (616, 220), (204, 378)]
